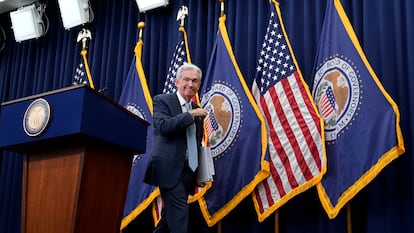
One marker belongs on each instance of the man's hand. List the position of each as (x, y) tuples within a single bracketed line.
[(198, 112)]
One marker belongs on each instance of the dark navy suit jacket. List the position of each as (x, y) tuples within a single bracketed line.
[(169, 142)]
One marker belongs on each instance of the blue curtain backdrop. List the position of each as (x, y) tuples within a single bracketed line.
[(384, 28)]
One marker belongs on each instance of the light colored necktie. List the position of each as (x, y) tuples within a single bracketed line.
[(191, 144)]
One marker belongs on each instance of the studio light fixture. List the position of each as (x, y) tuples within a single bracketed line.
[(27, 22), (146, 5), (2, 38), (75, 12)]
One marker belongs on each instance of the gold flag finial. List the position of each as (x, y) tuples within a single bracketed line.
[(182, 13), (141, 26), (83, 36)]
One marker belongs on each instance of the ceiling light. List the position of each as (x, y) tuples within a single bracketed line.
[(27, 22), (75, 12), (146, 5)]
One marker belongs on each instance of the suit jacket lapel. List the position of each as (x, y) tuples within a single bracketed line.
[(175, 104)]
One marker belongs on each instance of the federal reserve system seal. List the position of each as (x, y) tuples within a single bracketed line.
[(36, 117)]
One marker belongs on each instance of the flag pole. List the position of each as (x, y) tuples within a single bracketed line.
[(219, 230), (221, 7), (277, 221), (181, 15), (276, 211), (141, 26), (277, 224), (83, 36), (348, 218), (139, 66)]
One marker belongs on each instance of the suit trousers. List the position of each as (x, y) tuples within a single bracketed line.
[(175, 215)]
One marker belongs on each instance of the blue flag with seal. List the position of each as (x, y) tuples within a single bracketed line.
[(362, 132), (236, 132), (137, 99)]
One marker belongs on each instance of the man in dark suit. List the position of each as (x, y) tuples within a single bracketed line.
[(168, 167)]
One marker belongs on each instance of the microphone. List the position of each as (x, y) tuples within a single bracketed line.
[(103, 90)]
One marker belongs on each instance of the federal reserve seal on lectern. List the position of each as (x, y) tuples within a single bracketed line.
[(36, 117)]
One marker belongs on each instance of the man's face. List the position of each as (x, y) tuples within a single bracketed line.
[(188, 84)]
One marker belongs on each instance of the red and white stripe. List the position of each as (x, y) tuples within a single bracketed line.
[(295, 141)]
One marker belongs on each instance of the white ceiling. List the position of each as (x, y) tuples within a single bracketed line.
[(9, 5)]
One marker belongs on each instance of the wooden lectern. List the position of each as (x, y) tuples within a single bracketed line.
[(78, 147)]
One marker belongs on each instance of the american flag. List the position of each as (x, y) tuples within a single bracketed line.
[(297, 156), (211, 124), (327, 103), (80, 76), (179, 57)]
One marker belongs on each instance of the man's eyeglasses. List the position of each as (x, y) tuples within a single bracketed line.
[(187, 80)]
